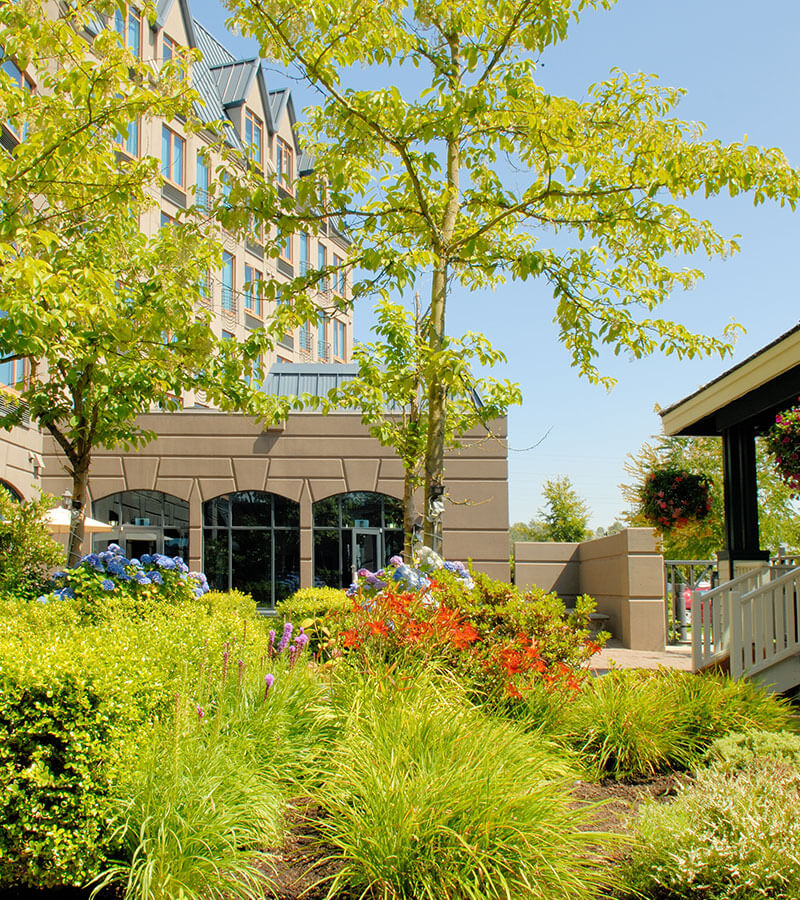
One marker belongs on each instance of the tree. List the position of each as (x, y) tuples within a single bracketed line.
[(777, 514), (421, 179), (564, 518), (566, 515), (389, 390), (109, 318)]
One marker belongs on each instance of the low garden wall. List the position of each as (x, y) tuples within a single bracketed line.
[(624, 572)]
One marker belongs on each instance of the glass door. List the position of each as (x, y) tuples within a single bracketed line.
[(366, 549)]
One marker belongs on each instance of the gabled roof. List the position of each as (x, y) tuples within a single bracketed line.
[(235, 80)]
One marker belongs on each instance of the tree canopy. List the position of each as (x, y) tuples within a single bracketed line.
[(565, 516), (110, 321), (455, 161)]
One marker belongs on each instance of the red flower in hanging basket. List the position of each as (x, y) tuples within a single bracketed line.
[(783, 444), (672, 497)]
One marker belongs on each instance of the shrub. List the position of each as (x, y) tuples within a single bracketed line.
[(425, 796), (744, 749), (76, 696), (634, 723), (309, 608), (499, 639), (728, 836), (27, 551)]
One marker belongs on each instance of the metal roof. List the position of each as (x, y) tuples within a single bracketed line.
[(234, 80)]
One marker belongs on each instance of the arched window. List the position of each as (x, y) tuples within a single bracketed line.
[(144, 522), (251, 542), (11, 491), (361, 529)]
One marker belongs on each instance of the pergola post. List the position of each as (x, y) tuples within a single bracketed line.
[(742, 549)]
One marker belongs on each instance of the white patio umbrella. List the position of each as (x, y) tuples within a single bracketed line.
[(59, 520)]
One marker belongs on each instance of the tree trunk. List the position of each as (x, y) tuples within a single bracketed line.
[(80, 481), (437, 411), (409, 515)]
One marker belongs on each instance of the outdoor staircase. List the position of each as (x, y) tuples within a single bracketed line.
[(751, 627)]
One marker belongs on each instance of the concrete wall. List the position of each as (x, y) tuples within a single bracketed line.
[(623, 572), (200, 454)]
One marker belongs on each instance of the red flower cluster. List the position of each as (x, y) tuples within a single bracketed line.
[(672, 497), (783, 443)]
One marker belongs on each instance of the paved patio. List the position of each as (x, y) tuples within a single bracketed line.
[(677, 656)]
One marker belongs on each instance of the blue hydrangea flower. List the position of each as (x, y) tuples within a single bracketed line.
[(163, 562), (108, 584), (115, 549), (155, 577), (146, 559), (141, 578), (115, 567), (135, 563)]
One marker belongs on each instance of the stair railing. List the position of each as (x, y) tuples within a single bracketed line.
[(712, 616), (766, 628)]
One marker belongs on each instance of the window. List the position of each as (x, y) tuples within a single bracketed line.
[(322, 262), (173, 148), (338, 275), (338, 340), (166, 220), (21, 80), (305, 243), (227, 335), (283, 162), (128, 25), (172, 50), (252, 290), (203, 182), (254, 137), (129, 139), (227, 282), (12, 373), (323, 347), (256, 228), (286, 248)]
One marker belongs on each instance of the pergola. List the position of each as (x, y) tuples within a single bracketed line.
[(737, 406)]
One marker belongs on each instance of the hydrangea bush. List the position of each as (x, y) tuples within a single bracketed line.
[(110, 574)]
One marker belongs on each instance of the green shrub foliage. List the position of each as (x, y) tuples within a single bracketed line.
[(27, 551), (744, 749), (728, 836)]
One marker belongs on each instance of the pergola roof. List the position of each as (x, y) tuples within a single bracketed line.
[(751, 392)]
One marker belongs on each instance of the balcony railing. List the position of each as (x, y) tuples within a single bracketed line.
[(324, 351)]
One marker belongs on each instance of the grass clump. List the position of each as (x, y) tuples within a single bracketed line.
[(728, 836), (634, 723), (425, 797)]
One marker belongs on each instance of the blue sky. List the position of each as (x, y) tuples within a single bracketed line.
[(736, 60)]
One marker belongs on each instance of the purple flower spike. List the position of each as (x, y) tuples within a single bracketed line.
[(200, 713), (271, 646), (241, 671), (269, 680), (396, 561), (285, 638), (225, 656), (293, 651)]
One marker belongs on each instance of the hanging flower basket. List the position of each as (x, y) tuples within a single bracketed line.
[(673, 497), (783, 444)]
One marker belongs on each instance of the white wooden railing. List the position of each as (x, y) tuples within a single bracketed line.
[(766, 629), (712, 614)]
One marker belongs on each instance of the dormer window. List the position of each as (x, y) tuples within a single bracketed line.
[(171, 50), (284, 162), (254, 137), (128, 25)]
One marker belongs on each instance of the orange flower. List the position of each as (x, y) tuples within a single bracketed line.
[(378, 627), (513, 691), (465, 636), (351, 638)]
